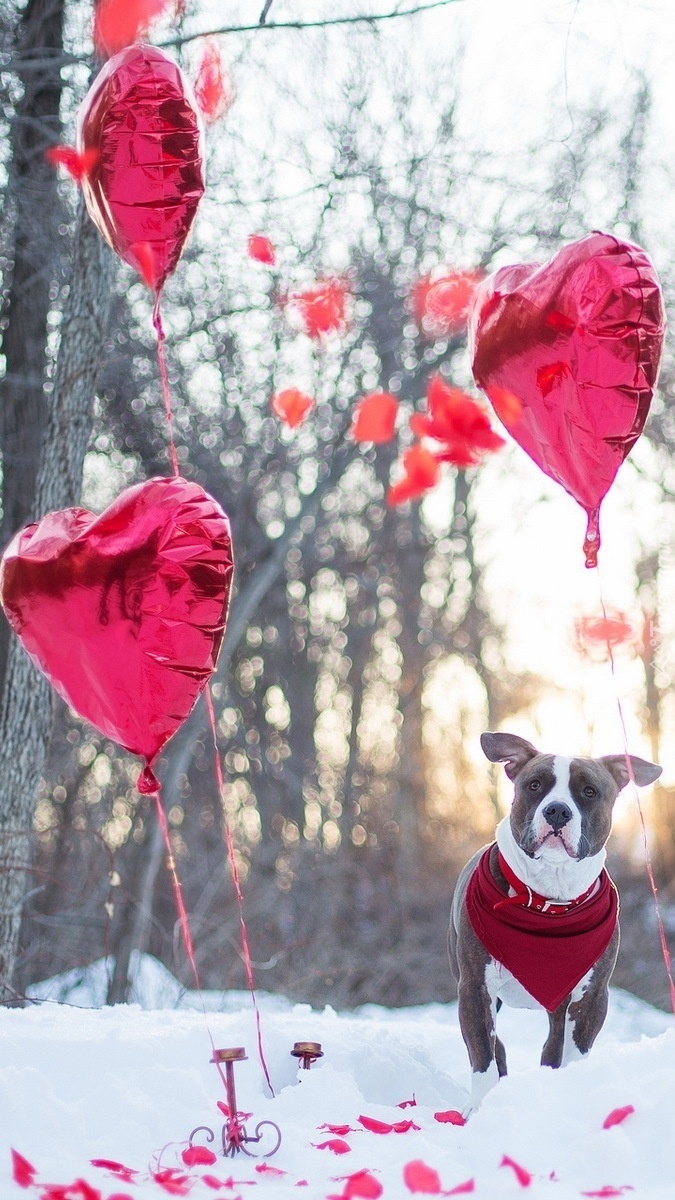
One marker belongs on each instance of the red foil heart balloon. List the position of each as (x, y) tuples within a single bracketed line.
[(140, 123), (568, 352), (124, 613)]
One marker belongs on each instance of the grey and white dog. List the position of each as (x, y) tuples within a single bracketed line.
[(535, 915)]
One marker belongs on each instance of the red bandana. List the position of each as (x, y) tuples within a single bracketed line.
[(547, 950)]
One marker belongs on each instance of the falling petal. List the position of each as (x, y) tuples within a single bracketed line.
[(146, 263), (120, 23), (551, 376), (375, 418), (77, 165), (322, 309), (507, 405), (261, 249), (441, 305), (421, 473), (213, 88), (292, 406), (595, 633)]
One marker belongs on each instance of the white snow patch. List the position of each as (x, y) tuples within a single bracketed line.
[(79, 1082)]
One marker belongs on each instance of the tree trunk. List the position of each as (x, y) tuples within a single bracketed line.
[(26, 703), (34, 201)]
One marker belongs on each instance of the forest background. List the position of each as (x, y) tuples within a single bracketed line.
[(367, 646)]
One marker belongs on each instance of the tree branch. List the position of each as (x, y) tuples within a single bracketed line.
[(365, 19), (26, 63)]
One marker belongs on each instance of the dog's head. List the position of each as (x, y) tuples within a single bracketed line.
[(563, 806)]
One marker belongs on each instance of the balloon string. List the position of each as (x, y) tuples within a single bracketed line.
[(246, 952), (161, 359), (645, 841), (185, 927)]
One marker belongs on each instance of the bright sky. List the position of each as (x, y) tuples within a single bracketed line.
[(525, 68)]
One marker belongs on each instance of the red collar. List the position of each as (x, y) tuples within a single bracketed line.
[(529, 899)]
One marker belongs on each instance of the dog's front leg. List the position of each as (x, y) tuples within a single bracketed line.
[(552, 1054), (477, 1012)]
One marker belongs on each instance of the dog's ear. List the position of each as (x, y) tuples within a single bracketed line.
[(643, 772), (509, 749)]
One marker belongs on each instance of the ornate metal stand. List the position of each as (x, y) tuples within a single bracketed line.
[(307, 1052), (233, 1135)]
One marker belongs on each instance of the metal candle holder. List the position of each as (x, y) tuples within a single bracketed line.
[(234, 1137), (307, 1052)]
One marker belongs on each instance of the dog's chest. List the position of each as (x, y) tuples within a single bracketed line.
[(504, 986)]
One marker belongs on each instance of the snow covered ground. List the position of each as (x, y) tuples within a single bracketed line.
[(128, 1084)]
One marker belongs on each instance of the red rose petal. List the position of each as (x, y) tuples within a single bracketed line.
[(172, 1181), (617, 1115), (77, 165), (616, 629), (450, 1117), (340, 1130), (374, 418), (322, 309), (213, 89), (198, 1156), (454, 419), (361, 1184), (261, 249), (551, 376), (23, 1172), (412, 1103), (508, 406), (524, 1178), (109, 1164), (120, 23), (292, 406), (145, 262), (441, 305), (608, 1190), (422, 472), (337, 1145), (558, 322), (462, 1189), (374, 1126), (418, 1177), (266, 1169)]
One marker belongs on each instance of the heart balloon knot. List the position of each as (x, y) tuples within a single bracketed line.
[(147, 783)]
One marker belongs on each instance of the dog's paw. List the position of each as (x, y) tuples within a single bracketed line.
[(482, 1082)]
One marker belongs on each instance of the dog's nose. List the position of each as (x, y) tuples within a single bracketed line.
[(557, 814)]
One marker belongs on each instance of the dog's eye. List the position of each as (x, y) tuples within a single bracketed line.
[(590, 792), (534, 785)]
